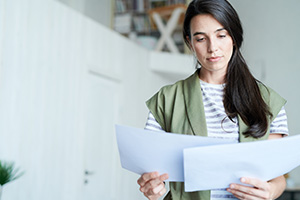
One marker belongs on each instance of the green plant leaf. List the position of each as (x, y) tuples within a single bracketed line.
[(8, 172)]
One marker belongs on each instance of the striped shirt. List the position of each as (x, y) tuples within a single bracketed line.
[(220, 126)]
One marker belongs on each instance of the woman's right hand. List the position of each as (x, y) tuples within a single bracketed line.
[(152, 185)]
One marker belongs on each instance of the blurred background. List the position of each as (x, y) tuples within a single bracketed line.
[(72, 69)]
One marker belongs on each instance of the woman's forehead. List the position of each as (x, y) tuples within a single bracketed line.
[(205, 23)]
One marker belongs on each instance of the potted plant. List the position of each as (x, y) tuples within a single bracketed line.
[(8, 173)]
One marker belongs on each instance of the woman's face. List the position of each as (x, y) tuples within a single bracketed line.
[(211, 43)]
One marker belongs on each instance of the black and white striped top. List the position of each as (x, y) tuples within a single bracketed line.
[(220, 126)]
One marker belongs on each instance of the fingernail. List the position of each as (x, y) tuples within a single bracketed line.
[(232, 186), (243, 180)]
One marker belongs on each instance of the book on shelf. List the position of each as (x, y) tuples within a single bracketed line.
[(120, 7), (123, 23)]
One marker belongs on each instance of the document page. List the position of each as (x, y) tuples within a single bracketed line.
[(205, 163), (144, 151), (214, 167)]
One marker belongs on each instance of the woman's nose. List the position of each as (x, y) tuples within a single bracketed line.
[(212, 46)]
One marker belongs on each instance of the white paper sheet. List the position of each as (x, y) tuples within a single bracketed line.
[(147, 151), (217, 166)]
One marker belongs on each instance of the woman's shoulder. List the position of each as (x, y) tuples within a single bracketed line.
[(178, 86), (171, 88), (274, 100), (168, 94), (164, 100), (267, 92)]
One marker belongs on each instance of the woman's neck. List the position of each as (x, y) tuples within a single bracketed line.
[(212, 77)]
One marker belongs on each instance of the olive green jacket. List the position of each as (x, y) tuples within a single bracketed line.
[(178, 108)]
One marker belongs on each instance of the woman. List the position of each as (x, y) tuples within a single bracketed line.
[(222, 99)]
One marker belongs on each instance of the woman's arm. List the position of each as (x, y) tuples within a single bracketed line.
[(260, 189)]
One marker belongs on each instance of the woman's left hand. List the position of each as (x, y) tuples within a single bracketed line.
[(257, 190)]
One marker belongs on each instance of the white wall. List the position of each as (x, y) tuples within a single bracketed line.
[(48, 55), (51, 57), (98, 10), (271, 49)]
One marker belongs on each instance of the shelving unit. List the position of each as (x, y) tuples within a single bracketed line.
[(132, 19)]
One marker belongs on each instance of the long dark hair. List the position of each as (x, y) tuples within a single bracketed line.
[(241, 94)]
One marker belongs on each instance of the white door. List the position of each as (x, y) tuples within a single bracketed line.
[(100, 143)]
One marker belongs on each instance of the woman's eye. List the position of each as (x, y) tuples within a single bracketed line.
[(222, 36), (200, 39)]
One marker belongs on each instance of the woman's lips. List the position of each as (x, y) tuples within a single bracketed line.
[(214, 59)]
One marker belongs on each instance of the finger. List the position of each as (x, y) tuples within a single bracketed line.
[(151, 185), (146, 177), (164, 177), (152, 175), (156, 196), (163, 191), (248, 191), (256, 183), (242, 195), (156, 191)]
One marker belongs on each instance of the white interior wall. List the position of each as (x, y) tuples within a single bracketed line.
[(271, 49), (98, 10), (47, 53), (50, 55), (39, 108)]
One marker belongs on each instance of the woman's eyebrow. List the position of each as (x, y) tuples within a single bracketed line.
[(203, 33), (198, 33), (220, 29)]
